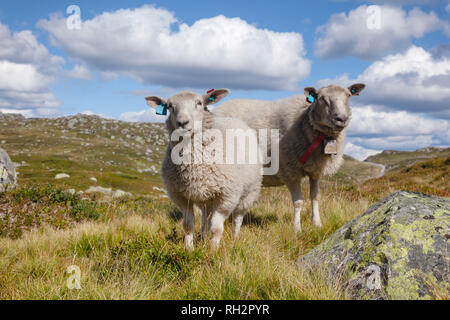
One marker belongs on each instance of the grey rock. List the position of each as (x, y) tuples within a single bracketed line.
[(398, 249), (8, 176)]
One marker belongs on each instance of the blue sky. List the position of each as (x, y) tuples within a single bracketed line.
[(125, 50)]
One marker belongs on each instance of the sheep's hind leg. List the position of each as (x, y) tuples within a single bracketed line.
[(216, 227), (242, 208), (205, 227), (297, 200), (314, 190)]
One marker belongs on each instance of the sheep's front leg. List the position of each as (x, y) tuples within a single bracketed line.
[(188, 225), (238, 217), (314, 190), (297, 200)]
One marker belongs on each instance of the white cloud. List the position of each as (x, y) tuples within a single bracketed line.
[(142, 116), (368, 121), (21, 77), (397, 142), (414, 81), (27, 71), (349, 35), (79, 72), (153, 46), (23, 48), (359, 152), (372, 130), (447, 8)]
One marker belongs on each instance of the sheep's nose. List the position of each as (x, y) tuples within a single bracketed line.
[(183, 124), (341, 120)]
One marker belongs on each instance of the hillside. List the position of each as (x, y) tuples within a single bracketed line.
[(398, 160), (354, 171), (430, 176), (119, 155)]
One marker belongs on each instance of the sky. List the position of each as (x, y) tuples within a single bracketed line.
[(60, 58)]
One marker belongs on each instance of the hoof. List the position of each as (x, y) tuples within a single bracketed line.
[(215, 244), (317, 224), (189, 242)]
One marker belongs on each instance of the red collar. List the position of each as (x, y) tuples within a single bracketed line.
[(311, 148)]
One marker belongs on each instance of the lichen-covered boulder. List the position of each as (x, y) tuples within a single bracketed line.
[(398, 249), (8, 177)]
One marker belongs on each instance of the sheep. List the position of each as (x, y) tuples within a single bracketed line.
[(302, 121), (218, 188)]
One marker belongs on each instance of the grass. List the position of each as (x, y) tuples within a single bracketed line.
[(134, 250)]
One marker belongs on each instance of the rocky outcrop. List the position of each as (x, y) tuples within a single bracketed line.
[(398, 249), (8, 176)]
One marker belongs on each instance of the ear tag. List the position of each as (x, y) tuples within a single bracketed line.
[(211, 99), (353, 90), (161, 110), (310, 98)]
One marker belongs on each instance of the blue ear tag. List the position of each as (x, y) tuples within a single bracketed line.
[(353, 90), (311, 98), (211, 99), (161, 110)]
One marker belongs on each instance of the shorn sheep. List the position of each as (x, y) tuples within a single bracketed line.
[(310, 125), (218, 188)]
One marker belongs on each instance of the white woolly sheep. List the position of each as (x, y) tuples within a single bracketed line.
[(301, 124), (219, 189)]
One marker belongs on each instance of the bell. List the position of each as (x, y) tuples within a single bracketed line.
[(329, 146)]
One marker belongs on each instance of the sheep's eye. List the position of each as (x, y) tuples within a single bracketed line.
[(198, 104)]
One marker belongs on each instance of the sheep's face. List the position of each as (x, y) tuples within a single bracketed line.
[(187, 109), (331, 105)]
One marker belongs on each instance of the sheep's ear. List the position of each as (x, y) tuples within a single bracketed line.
[(155, 102), (310, 91), (215, 96), (355, 89), (311, 94)]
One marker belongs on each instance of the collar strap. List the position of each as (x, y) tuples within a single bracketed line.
[(314, 145)]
